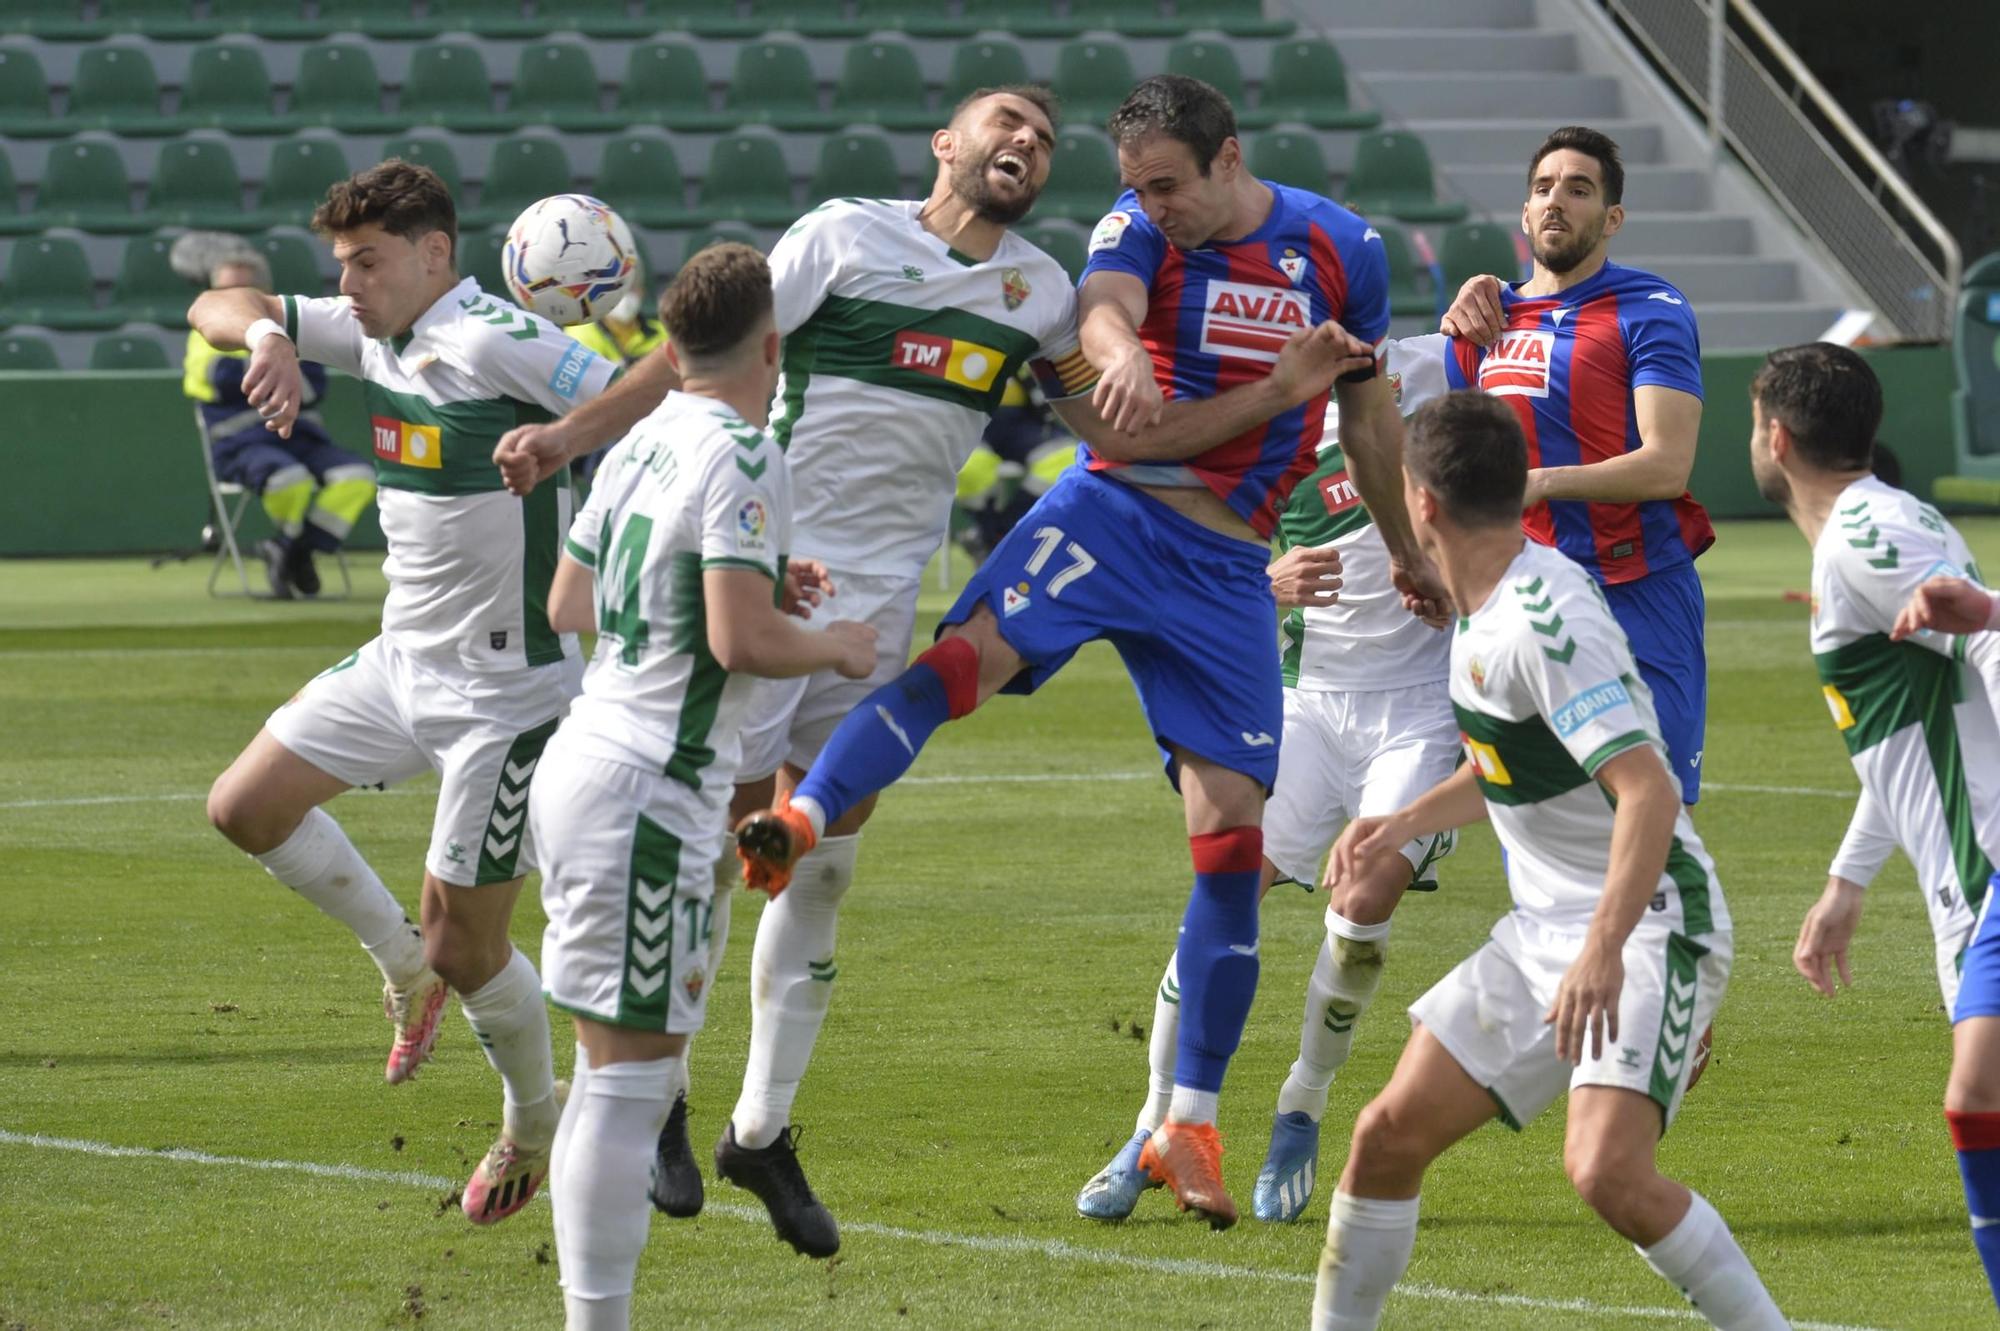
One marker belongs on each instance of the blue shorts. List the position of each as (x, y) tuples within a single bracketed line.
[(1666, 620), (1189, 610), (1979, 974)]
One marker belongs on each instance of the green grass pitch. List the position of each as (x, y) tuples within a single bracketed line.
[(983, 1058)]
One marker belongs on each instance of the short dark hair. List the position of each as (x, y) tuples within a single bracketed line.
[(1591, 143), (1043, 99), (1181, 108), (1828, 398), (402, 198), (1467, 449), (717, 300)]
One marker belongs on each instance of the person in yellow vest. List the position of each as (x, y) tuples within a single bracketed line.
[(622, 337), (313, 489)]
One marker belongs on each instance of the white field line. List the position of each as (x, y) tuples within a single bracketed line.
[(1058, 1250), (961, 779)]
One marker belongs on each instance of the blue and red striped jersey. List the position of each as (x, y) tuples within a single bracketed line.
[(1217, 316), (1568, 364)]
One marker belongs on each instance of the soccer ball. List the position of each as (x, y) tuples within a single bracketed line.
[(569, 258)]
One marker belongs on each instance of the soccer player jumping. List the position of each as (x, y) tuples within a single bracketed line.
[(1230, 295)]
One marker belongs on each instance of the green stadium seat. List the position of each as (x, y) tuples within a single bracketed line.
[(296, 180), (809, 18), (1238, 18), (706, 18), (157, 20), (1290, 159), (1137, 18), (715, 235), (294, 260), (1214, 63), (148, 290), (49, 283), (24, 97), (128, 351), (52, 20), (1469, 249), (523, 168), (556, 84), (431, 151), (195, 183), (773, 84), (12, 220), (479, 257), (1412, 292), (229, 88), (664, 85), (84, 185), (448, 85), (919, 18), (990, 62), (283, 20), (338, 86), (117, 89), (639, 175), (856, 164), (747, 181), (1092, 78), (375, 18), (1062, 241), (880, 84), (1307, 82), (1027, 18), (1392, 174), (24, 352), (495, 18), (606, 18), (1084, 182)]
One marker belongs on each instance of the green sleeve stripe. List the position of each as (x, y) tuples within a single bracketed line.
[(292, 318), (724, 561), (587, 558), (1610, 749)]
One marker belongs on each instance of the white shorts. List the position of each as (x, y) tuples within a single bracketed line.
[(790, 720), (1487, 1013), (1357, 755), (383, 716), (628, 931)]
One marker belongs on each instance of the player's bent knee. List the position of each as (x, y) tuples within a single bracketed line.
[(1387, 1149), (1608, 1180), (240, 810)]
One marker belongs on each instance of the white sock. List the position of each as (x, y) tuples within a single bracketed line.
[(512, 1022), (1368, 1245), (599, 1186), (1193, 1106), (1344, 979), (1700, 1258), (791, 984), (579, 1078), (1161, 1052), (320, 864)]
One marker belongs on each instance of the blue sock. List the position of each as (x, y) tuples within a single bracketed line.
[(1218, 954), (875, 743), (1977, 1137)]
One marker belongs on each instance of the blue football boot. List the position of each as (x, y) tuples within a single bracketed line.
[(1285, 1184), (1115, 1190)]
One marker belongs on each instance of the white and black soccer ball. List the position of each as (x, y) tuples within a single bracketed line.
[(570, 259)]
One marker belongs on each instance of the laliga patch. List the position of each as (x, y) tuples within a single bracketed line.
[(1587, 706), (1518, 365), (568, 376), (1013, 600), (1110, 230), (751, 524)]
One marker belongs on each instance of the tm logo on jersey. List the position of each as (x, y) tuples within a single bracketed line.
[(1518, 365), (1252, 322), (951, 359), (1587, 706), (1338, 493), (407, 444)]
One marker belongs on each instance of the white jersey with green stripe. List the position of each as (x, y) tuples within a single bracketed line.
[(1366, 642), (694, 486), (1546, 693), (469, 564), (898, 350), (1914, 715)]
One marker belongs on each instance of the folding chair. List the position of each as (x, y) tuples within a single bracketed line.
[(228, 516)]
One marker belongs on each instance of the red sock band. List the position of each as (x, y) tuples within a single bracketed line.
[(956, 662), (1973, 1131), (1232, 850)]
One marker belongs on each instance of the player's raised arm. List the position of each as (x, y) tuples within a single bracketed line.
[(1947, 604), (529, 454), (238, 318), (1110, 308)]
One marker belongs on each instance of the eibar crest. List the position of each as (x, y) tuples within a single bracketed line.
[(1014, 288), (1293, 265)]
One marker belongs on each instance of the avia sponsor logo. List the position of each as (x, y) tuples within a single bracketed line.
[(1338, 492), (1587, 706), (966, 364), (1252, 322), (406, 444), (1518, 365)]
